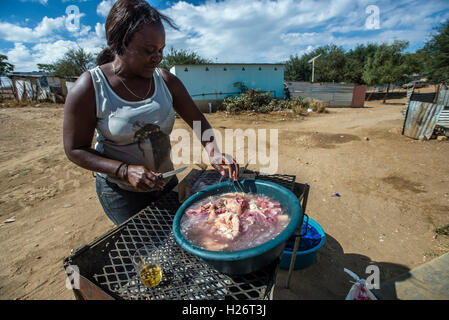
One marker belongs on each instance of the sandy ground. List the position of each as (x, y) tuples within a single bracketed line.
[(394, 192)]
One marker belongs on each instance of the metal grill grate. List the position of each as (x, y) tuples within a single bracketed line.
[(211, 177), (284, 180), (185, 276)]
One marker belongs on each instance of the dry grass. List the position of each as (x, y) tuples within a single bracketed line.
[(316, 105)]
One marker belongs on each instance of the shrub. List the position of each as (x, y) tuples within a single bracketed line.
[(249, 100), (257, 101), (315, 105)]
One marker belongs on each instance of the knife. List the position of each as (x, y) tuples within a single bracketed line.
[(170, 173)]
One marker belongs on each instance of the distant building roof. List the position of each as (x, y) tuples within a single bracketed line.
[(230, 64), (30, 74)]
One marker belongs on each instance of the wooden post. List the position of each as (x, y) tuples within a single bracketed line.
[(14, 89), (64, 87), (437, 92), (385, 96), (313, 70), (34, 93)]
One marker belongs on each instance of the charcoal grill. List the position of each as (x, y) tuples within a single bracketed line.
[(103, 269)]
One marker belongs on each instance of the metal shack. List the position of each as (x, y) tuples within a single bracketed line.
[(211, 83), (423, 119), (38, 86)]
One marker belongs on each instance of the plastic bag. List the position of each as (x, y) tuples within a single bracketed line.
[(358, 291)]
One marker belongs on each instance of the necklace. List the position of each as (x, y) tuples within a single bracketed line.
[(141, 98)]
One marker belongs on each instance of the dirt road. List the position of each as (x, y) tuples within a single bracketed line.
[(394, 192)]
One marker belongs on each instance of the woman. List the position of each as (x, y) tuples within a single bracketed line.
[(130, 103)]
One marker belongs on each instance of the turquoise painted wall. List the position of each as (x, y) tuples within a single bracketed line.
[(217, 83)]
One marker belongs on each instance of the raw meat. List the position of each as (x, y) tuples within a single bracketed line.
[(233, 221)]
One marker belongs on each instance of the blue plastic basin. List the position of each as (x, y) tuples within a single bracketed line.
[(304, 258), (252, 259)]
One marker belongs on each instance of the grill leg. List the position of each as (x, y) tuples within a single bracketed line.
[(304, 197), (293, 259)]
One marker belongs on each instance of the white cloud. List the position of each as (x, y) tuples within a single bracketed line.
[(243, 31), (248, 31), (48, 41), (271, 31), (44, 2), (20, 56), (25, 57), (50, 52), (100, 30), (46, 28), (104, 7)]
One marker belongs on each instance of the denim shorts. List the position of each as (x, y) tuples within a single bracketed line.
[(120, 205)]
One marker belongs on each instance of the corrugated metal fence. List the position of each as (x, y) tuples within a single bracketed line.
[(337, 95), (420, 119), (443, 119), (6, 89), (443, 98)]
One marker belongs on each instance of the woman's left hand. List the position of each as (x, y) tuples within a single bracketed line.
[(220, 160)]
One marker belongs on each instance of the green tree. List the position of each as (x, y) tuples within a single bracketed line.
[(422, 60), (435, 55), (355, 62), (387, 66), (413, 65), (298, 69), (5, 66), (72, 64), (181, 57), (330, 65), (47, 68)]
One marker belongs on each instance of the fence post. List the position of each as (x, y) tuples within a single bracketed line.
[(14, 89), (435, 98)]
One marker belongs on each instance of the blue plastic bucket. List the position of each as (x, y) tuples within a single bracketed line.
[(305, 255), (252, 259)]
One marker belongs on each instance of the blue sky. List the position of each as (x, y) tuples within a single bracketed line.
[(41, 31)]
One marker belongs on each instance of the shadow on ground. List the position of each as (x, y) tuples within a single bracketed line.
[(325, 278), (417, 96)]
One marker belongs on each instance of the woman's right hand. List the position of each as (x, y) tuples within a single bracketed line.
[(141, 178)]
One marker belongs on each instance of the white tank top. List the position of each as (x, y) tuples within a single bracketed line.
[(136, 133)]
